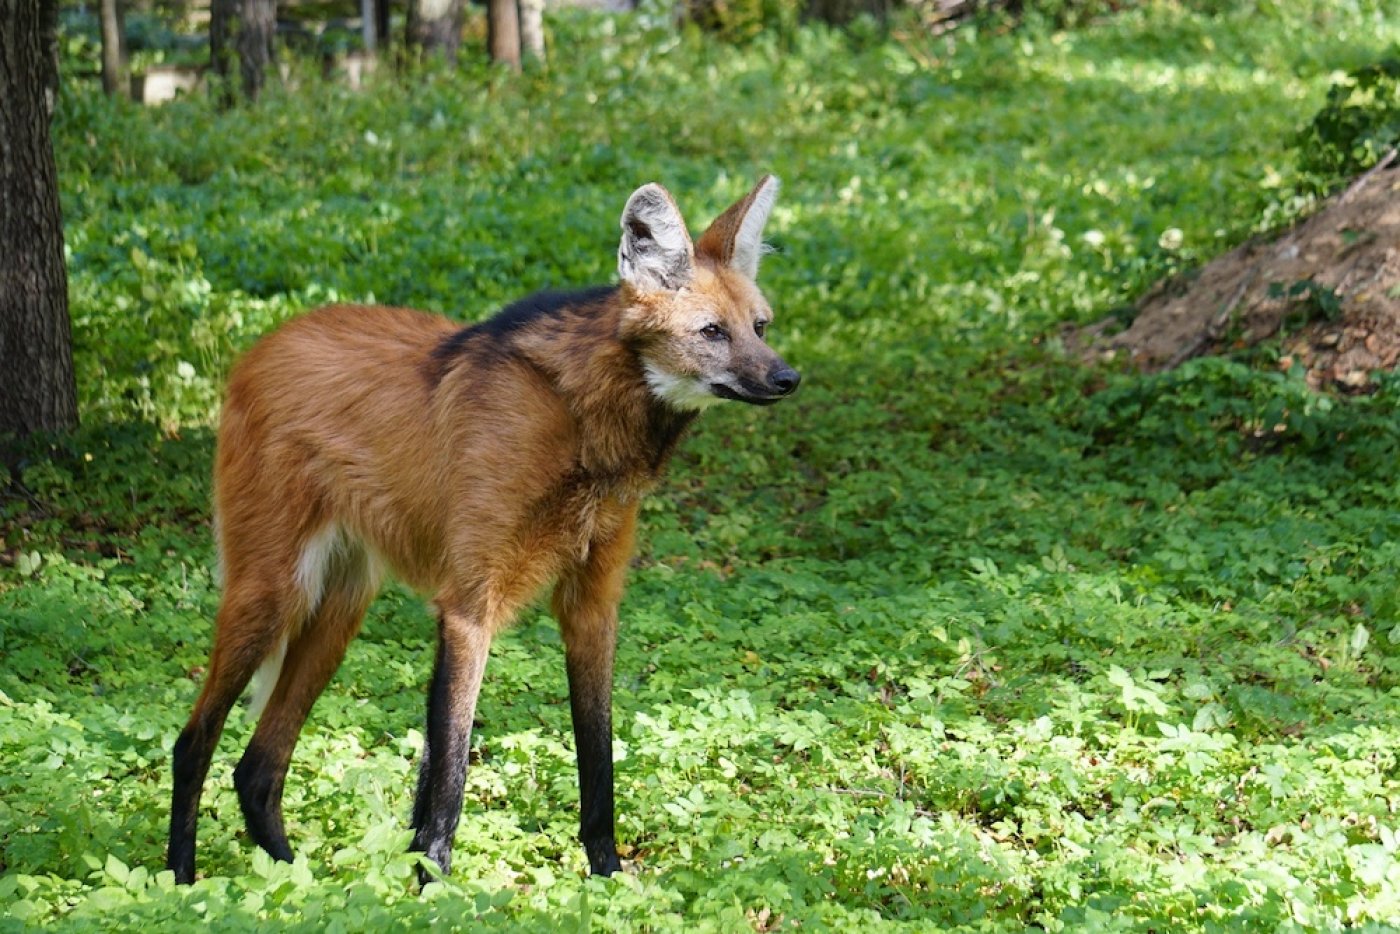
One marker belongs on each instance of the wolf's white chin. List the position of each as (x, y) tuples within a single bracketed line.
[(687, 393)]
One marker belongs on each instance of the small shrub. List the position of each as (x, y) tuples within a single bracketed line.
[(1356, 127)]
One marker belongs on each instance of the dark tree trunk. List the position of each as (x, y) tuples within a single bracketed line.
[(374, 25), (503, 32), (381, 23), (436, 26), (220, 25), (257, 26), (36, 355), (245, 29), (113, 48)]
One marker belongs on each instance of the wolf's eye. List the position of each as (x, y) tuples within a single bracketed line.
[(713, 332), (760, 327)]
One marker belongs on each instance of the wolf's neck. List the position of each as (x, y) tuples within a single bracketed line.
[(623, 428)]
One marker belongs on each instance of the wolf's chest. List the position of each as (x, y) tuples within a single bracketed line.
[(589, 509)]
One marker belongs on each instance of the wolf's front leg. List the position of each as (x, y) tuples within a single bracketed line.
[(590, 701), (585, 603)]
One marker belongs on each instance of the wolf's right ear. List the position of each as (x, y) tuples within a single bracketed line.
[(656, 253)]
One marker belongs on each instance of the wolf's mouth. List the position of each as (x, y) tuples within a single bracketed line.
[(728, 392)]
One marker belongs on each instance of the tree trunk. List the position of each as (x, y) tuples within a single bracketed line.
[(532, 29), (369, 26), (503, 32), (436, 26), (36, 355), (381, 23), (113, 48), (257, 25), (244, 28), (220, 25)]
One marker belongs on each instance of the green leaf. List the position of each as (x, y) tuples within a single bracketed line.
[(117, 870)]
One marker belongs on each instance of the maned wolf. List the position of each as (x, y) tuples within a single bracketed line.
[(479, 465)]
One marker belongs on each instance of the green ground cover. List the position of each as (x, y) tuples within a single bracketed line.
[(966, 636)]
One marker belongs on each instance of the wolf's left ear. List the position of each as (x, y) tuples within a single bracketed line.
[(655, 253), (736, 237)]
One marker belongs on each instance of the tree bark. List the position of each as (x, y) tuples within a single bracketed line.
[(257, 25), (113, 48), (436, 26), (503, 32), (36, 355), (381, 24), (369, 26), (243, 29), (220, 25), (532, 29)]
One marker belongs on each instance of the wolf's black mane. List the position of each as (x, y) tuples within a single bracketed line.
[(499, 327)]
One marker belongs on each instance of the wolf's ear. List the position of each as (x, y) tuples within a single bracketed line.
[(736, 237), (655, 253)]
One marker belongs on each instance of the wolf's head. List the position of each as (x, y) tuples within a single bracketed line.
[(693, 312)]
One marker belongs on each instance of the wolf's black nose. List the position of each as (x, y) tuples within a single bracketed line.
[(784, 380)]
